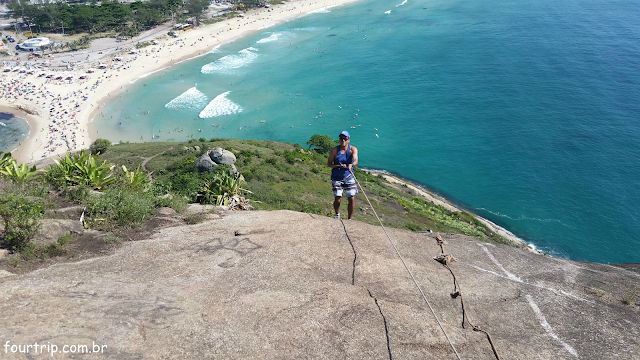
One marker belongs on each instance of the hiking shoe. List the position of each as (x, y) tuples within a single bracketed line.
[(336, 216)]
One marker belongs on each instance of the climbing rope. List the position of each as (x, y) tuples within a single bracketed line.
[(407, 268), (444, 259)]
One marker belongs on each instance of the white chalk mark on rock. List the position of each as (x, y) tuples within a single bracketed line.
[(548, 327), (559, 292), (490, 255)]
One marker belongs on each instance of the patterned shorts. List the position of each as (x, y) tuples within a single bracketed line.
[(350, 188)]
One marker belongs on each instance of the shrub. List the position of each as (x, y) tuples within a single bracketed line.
[(221, 188), (118, 206), (80, 169), (19, 174), (322, 143), (202, 139), (175, 202), (99, 146), (20, 218), (193, 219)]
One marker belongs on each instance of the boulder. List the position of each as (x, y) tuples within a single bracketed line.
[(67, 211), (165, 211), (191, 209), (222, 156), (52, 229), (5, 273), (205, 163), (3, 253), (196, 148)]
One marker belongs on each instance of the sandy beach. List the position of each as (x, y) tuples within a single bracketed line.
[(59, 103)]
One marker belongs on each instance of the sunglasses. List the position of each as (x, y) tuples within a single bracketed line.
[(344, 138)]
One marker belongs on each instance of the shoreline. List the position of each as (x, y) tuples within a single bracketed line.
[(73, 105), (82, 128), (439, 200)]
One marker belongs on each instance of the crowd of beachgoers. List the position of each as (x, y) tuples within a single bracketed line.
[(59, 99)]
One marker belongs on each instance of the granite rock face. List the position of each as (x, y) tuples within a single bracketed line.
[(218, 156), (222, 156), (52, 229), (288, 285), (205, 163)]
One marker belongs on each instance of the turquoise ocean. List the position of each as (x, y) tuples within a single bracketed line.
[(13, 130), (525, 113)]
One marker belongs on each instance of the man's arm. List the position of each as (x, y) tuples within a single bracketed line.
[(332, 155), (354, 157)]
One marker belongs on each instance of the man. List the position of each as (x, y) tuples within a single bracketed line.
[(342, 159)]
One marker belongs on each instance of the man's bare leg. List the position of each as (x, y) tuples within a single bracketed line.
[(352, 205), (336, 204)]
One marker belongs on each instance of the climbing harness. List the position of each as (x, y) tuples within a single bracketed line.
[(407, 268), (444, 259)]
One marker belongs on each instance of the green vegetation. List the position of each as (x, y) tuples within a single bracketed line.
[(284, 176), (322, 143), (279, 176), (20, 217), (99, 146), (124, 19)]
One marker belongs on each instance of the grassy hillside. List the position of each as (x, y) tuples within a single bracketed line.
[(120, 203), (285, 176)]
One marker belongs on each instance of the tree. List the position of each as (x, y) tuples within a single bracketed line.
[(196, 9), (99, 146), (322, 143)]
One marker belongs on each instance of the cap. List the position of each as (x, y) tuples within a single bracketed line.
[(345, 133)]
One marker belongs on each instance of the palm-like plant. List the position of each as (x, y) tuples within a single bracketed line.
[(4, 159), (90, 173), (137, 179), (221, 188), (83, 168), (19, 174)]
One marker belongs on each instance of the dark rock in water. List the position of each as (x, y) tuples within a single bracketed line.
[(205, 163), (221, 156)]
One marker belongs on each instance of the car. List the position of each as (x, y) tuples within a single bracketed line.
[(12, 39)]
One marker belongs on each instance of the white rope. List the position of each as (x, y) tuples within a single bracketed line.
[(407, 268)]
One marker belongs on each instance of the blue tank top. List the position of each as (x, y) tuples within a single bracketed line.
[(341, 173)]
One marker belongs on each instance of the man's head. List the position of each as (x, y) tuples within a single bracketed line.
[(344, 137)]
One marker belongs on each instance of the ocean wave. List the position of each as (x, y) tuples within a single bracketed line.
[(323, 10), (308, 29), (191, 99), (227, 63), (404, 2), (220, 106), (388, 12), (272, 37), (215, 49)]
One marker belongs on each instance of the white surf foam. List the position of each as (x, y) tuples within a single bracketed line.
[(220, 106), (191, 99), (272, 37), (404, 2), (215, 49), (388, 12), (323, 10), (227, 63)]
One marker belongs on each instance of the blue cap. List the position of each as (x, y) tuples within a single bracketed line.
[(345, 133)]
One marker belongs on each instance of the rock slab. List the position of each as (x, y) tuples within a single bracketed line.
[(289, 285)]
